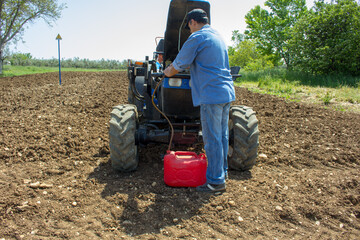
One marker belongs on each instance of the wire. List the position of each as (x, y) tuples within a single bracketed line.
[(180, 29), (152, 100)]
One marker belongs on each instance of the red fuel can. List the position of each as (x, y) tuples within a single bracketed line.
[(184, 169)]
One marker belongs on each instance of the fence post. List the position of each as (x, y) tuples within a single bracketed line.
[(59, 38)]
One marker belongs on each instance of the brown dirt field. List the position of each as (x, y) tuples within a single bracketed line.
[(56, 181)]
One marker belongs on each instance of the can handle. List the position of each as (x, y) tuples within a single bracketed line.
[(178, 154), (202, 155)]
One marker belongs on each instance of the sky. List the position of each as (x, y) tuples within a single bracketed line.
[(120, 29)]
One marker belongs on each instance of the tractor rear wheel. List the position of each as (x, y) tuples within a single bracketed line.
[(123, 150), (243, 138)]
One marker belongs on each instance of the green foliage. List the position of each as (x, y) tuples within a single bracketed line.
[(303, 78), (15, 14), (297, 85), (244, 54), (327, 98), (19, 58), (326, 40), (271, 28), (25, 59)]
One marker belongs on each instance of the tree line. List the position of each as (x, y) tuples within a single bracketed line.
[(322, 40), (26, 59)]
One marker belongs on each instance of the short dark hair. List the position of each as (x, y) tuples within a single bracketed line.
[(198, 15)]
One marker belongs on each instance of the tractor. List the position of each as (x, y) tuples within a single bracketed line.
[(160, 109)]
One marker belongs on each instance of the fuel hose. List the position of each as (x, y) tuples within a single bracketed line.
[(152, 100)]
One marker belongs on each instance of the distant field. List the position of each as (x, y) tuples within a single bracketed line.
[(10, 71), (338, 92)]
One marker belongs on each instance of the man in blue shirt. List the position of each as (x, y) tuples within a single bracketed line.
[(212, 89)]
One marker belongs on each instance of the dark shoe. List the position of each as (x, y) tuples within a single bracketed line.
[(207, 187)]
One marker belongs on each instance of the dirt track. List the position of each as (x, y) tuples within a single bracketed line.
[(56, 181)]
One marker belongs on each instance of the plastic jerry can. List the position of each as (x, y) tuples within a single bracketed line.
[(184, 169)]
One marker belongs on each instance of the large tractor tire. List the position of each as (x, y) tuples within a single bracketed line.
[(123, 150), (243, 138)]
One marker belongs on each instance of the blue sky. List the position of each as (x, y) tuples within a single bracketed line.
[(119, 29)]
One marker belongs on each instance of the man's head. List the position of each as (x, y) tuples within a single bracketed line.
[(196, 19)]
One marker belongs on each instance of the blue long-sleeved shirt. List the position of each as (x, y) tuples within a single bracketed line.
[(206, 54)]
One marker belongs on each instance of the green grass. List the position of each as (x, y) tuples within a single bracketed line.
[(340, 92), (10, 71)]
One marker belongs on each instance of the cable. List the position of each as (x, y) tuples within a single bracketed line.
[(152, 100), (181, 27)]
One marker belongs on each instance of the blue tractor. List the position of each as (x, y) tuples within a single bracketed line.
[(160, 110)]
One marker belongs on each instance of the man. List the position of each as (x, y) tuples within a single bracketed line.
[(212, 88)]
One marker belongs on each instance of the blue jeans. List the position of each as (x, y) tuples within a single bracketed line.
[(215, 130)]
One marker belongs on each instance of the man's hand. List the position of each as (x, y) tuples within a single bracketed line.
[(170, 71)]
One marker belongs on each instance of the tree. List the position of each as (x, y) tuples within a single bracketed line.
[(327, 39), (271, 29), (243, 53), (15, 14)]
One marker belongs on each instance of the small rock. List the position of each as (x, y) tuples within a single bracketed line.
[(278, 208), (232, 203), (317, 223), (219, 208), (127, 222), (23, 205), (341, 225), (287, 145), (263, 156), (175, 220), (74, 204), (35, 185), (240, 219), (153, 184), (40, 185), (45, 185), (27, 181)]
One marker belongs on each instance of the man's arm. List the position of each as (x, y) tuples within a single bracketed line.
[(170, 71)]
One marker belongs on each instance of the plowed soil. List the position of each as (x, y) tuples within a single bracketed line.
[(56, 181)]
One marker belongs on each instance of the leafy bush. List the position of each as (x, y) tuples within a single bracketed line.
[(245, 54), (326, 40)]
